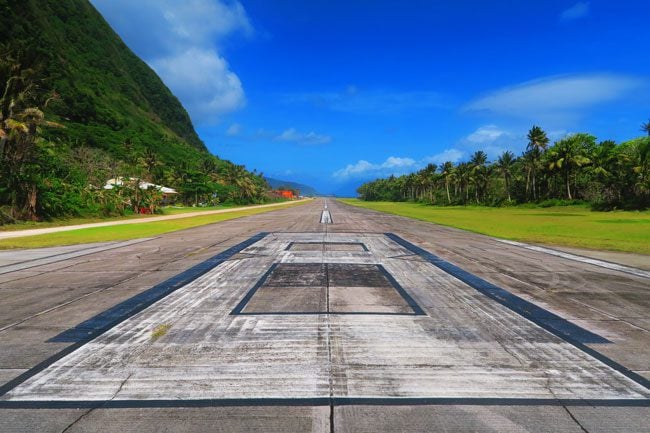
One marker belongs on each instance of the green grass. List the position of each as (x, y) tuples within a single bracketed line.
[(572, 226), (129, 231)]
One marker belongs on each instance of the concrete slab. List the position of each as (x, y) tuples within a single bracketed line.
[(335, 355), (207, 353), (456, 419), (7, 374)]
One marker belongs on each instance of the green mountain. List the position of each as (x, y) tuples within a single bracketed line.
[(305, 190), (116, 117), (107, 95)]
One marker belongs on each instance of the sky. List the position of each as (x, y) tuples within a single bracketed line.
[(334, 93)]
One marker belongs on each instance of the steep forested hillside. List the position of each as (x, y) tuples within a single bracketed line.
[(102, 113), (107, 94)]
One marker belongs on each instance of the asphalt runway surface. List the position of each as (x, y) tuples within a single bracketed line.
[(280, 323)]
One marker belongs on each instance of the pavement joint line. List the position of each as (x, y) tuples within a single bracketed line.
[(596, 262), (525, 309), (129, 308)]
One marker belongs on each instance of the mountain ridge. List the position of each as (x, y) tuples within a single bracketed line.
[(304, 189)]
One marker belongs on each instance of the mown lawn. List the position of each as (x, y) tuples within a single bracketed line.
[(129, 231), (572, 226)]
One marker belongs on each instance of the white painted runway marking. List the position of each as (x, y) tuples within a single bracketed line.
[(596, 262), (466, 345)]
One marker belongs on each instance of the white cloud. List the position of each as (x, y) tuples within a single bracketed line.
[(309, 138), (486, 134), (234, 129), (363, 169), (555, 96), (577, 11), (180, 41), (203, 81), (453, 155)]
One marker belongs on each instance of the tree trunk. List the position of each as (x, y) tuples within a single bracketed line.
[(32, 196), (567, 180), (447, 188)]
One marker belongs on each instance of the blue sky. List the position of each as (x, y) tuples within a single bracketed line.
[(333, 93)]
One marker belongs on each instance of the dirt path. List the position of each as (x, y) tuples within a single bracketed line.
[(35, 232)]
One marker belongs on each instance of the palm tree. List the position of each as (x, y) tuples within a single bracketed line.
[(642, 165), (479, 173), (566, 155), (462, 177), (447, 172), (537, 143), (504, 165), (645, 127)]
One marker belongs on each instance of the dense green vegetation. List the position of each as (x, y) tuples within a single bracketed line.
[(605, 174), (77, 108), (573, 226)]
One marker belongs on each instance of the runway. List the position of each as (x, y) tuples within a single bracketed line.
[(278, 322)]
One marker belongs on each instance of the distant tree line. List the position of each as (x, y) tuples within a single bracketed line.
[(577, 167)]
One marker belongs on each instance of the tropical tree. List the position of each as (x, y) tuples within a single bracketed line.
[(567, 155), (479, 173), (447, 173), (505, 165), (537, 143), (645, 127)]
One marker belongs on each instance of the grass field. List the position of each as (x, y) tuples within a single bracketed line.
[(572, 226), (129, 231)]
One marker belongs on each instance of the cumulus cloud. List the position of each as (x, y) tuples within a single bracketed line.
[(363, 169), (577, 11), (180, 41), (555, 96), (486, 134), (454, 155), (309, 138)]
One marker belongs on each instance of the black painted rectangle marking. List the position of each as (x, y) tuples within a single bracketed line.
[(337, 275), (324, 244)]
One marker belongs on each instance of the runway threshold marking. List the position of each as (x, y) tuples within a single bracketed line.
[(470, 347)]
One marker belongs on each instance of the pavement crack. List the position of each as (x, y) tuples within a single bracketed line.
[(121, 386), (575, 419), (566, 409), (83, 415)]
